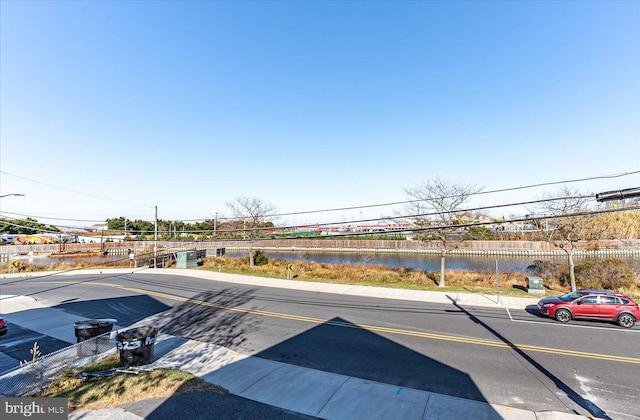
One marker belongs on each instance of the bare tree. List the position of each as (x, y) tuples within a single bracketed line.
[(442, 199), (568, 223), (366, 259), (254, 214)]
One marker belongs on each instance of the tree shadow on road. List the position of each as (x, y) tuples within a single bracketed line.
[(213, 317)]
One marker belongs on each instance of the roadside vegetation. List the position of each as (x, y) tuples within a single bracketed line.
[(594, 273), (121, 388), (612, 273)]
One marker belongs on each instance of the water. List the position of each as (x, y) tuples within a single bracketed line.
[(429, 262), (42, 261)]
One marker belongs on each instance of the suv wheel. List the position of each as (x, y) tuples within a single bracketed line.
[(563, 315), (626, 320)]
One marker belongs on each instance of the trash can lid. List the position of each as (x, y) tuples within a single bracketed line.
[(92, 323), (137, 333)]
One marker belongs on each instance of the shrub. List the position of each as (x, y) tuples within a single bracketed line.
[(479, 233), (549, 270), (599, 273), (260, 259)]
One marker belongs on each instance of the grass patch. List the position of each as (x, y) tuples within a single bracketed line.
[(460, 281), (366, 274), (122, 388)]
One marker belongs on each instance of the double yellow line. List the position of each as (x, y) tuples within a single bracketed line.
[(375, 328)]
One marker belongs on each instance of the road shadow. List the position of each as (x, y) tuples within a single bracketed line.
[(207, 405), (329, 368), (533, 310), (54, 330), (335, 348), (212, 317), (17, 344), (588, 405), (344, 348), (126, 310)]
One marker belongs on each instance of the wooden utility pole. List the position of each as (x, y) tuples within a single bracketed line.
[(155, 240)]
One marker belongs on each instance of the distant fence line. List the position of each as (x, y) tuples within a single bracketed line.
[(525, 248)]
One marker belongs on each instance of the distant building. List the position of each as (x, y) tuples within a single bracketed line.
[(98, 227)]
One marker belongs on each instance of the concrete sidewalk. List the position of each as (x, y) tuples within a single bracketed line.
[(291, 388), (470, 299), (312, 392)]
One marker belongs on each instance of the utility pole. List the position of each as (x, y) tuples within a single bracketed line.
[(155, 240)]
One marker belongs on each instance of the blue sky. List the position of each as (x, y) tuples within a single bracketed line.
[(111, 108)]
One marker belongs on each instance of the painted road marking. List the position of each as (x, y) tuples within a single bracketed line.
[(558, 324), (375, 328)]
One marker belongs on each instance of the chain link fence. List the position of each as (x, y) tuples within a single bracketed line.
[(36, 375)]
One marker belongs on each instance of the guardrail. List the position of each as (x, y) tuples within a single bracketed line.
[(164, 258)]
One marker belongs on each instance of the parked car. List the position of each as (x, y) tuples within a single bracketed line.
[(571, 296), (600, 305), (3, 326)]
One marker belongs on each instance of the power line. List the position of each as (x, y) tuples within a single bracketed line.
[(342, 208), (419, 215), (41, 230), (409, 229), (74, 191), (53, 218), (408, 216), (395, 203)]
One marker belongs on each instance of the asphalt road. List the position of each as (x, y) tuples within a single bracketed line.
[(508, 357)]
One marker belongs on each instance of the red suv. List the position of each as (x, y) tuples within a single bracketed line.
[(3, 326), (606, 306)]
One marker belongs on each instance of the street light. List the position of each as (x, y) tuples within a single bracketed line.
[(9, 195)]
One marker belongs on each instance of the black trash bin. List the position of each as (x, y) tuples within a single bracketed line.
[(89, 335), (136, 346)]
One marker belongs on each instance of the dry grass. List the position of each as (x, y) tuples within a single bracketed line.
[(122, 388), (509, 283), (63, 266)]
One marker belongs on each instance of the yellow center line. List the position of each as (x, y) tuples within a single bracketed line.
[(375, 328)]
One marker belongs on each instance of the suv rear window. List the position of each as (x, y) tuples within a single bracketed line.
[(609, 300)]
